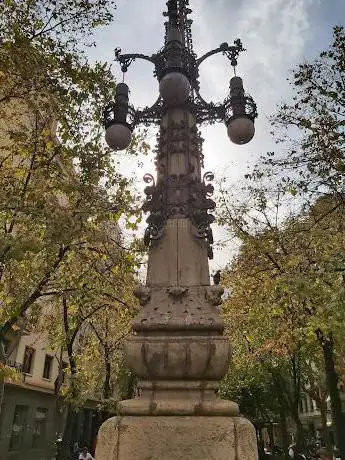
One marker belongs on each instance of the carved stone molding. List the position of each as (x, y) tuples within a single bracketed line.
[(177, 292), (192, 312), (142, 293), (177, 196), (214, 294), (178, 358)]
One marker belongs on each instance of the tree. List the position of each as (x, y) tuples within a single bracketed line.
[(250, 384), (311, 128), (287, 283), (315, 385), (59, 181), (300, 256), (87, 311)]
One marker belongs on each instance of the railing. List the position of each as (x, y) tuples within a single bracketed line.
[(17, 366)]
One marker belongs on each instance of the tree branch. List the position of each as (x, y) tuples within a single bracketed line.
[(5, 328)]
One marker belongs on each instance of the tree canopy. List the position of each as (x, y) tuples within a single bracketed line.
[(62, 192), (285, 312)]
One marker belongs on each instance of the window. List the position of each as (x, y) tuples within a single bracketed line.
[(28, 360), (19, 426), (313, 405), (6, 344), (47, 370), (305, 404), (3, 409), (64, 370), (301, 407), (310, 404), (39, 427)]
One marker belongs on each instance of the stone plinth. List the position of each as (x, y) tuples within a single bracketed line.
[(176, 438)]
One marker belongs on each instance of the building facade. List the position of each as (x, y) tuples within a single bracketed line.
[(30, 416), (311, 419)]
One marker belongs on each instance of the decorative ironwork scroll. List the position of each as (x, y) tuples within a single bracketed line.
[(179, 195)]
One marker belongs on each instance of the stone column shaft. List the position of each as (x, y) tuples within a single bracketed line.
[(178, 350)]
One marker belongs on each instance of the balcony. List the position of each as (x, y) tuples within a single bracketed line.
[(15, 365)]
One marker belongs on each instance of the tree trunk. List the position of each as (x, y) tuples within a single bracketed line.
[(284, 431), (2, 390), (106, 386), (261, 446), (3, 362), (270, 434), (286, 406), (58, 425), (59, 415), (295, 401), (334, 393), (300, 432), (325, 430), (71, 413), (68, 434)]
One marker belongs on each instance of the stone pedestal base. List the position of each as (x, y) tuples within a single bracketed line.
[(176, 438)]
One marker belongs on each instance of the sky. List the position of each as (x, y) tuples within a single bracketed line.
[(277, 34)]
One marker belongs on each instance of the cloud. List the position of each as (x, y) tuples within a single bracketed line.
[(274, 32)]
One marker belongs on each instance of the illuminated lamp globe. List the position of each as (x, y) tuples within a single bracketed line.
[(174, 88), (241, 130), (118, 136)]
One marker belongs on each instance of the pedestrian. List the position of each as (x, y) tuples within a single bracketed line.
[(295, 453), (85, 454), (75, 451), (323, 454), (291, 451)]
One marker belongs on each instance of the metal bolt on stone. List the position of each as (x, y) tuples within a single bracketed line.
[(177, 350)]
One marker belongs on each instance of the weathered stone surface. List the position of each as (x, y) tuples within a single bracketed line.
[(191, 256), (191, 311), (176, 438), (192, 392), (173, 406), (214, 294), (142, 293), (161, 269), (191, 357), (178, 258)]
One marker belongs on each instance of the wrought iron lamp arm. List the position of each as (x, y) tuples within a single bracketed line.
[(231, 52), (211, 112), (236, 104), (149, 115), (126, 59), (176, 68)]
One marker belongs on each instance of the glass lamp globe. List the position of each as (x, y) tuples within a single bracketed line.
[(241, 130), (174, 88), (118, 136)]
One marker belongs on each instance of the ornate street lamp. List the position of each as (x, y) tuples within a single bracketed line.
[(118, 132), (178, 350), (177, 70), (176, 67)]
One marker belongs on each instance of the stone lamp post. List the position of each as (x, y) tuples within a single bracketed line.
[(177, 349)]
